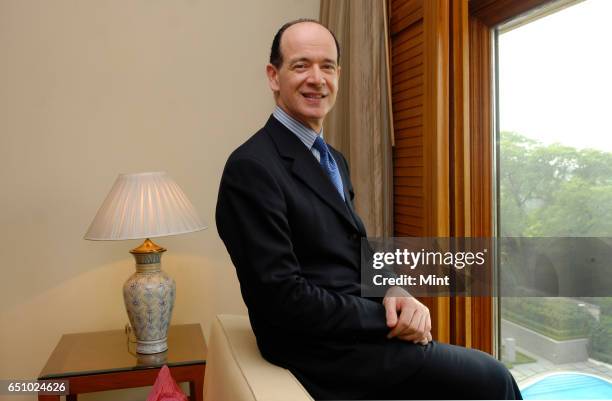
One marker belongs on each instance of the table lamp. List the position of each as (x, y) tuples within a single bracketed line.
[(144, 206)]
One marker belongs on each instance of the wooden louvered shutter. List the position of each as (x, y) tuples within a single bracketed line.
[(419, 86), (407, 91)]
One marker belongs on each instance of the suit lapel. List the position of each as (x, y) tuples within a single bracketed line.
[(347, 195), (306, 168)]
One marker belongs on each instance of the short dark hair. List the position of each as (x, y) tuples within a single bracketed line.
[(276, 56)]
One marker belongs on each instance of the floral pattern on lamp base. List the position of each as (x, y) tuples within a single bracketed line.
[(149, 299)]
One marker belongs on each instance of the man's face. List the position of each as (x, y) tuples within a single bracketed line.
[(307, 82)]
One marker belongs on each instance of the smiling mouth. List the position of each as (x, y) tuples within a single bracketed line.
[(314, 95)]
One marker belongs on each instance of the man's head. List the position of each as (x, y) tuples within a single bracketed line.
[(303, 71)]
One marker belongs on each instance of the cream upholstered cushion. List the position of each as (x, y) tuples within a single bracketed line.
[(236, 371)]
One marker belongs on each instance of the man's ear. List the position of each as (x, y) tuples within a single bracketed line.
[(272, 74)]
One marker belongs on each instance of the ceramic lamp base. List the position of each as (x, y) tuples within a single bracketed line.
[(152, 347), (149, 299)]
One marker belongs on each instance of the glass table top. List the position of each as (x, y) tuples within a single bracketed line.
[(109, 351)]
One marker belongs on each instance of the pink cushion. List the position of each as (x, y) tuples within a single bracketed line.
[(165, 388)]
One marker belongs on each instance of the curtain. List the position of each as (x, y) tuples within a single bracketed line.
[(360, 125)]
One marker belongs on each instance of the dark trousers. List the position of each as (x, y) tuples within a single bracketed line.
[(381, 369), (449, 372)]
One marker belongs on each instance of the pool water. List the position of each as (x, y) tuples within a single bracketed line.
[(569, 386)]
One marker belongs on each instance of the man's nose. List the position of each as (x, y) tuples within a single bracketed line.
[(316, 76)]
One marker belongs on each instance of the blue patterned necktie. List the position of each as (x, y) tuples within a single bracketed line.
[(329, 164)]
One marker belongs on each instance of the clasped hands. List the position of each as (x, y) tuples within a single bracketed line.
[(407, 318)]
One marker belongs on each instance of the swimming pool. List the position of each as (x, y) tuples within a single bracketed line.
[(569, 386)]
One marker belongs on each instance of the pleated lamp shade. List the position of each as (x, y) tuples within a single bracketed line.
[(145, 205)]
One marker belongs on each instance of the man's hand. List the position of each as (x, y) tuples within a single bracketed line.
[(407, 318)]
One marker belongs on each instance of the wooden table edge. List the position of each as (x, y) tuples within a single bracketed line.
[(192, 373)]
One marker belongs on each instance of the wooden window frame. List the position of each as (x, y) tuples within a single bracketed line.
[(457, 140), (484, 16)]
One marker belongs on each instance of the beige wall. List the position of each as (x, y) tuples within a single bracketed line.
[(88, 90)]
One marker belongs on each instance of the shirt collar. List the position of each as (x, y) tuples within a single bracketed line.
[(305, 134)]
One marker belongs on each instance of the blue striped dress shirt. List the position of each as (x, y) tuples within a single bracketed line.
[(308, 137), (305, 134)]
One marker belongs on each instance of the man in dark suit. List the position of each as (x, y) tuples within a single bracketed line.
[(286, 216)]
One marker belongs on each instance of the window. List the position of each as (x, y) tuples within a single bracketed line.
[(554, 141)]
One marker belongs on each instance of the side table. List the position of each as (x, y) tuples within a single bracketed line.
[(104, 360)]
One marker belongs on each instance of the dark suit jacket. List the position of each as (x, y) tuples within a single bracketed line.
[(296, 248)]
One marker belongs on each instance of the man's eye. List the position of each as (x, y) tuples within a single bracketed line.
[(299, 66), (330, 67)]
